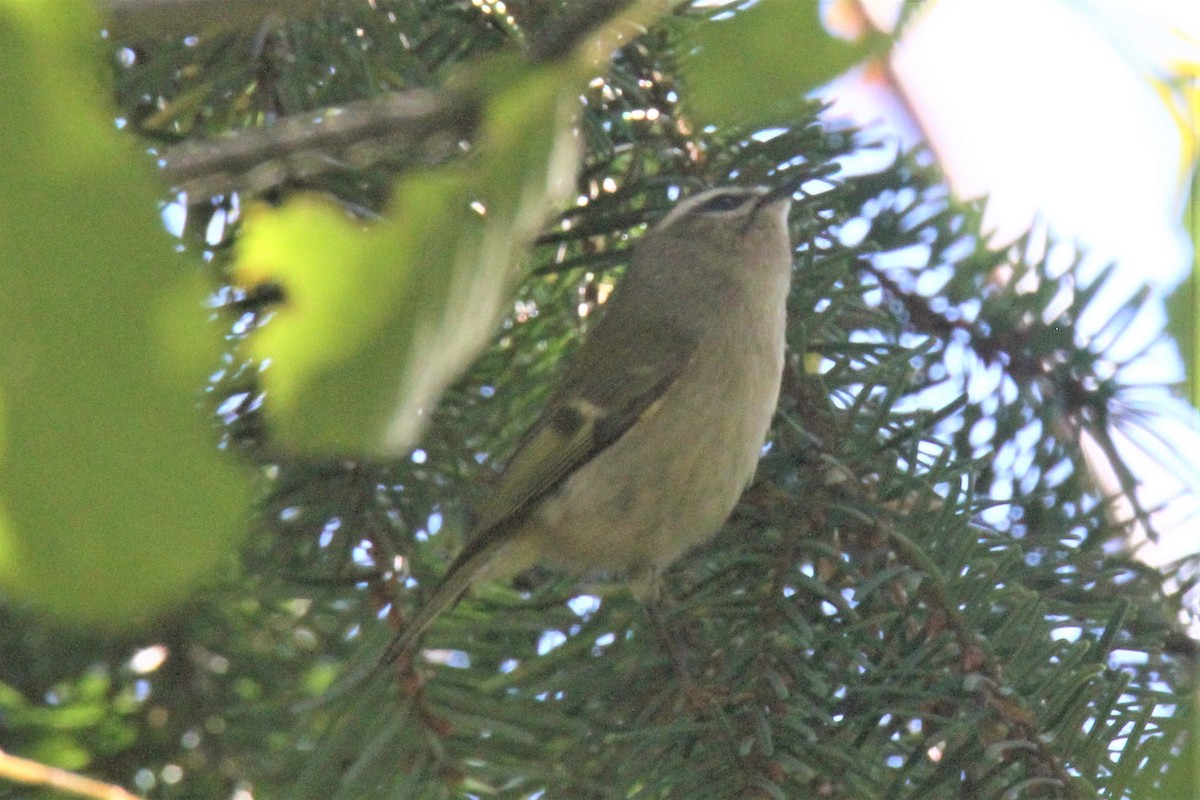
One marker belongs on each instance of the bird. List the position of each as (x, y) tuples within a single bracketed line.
[(661, 416)]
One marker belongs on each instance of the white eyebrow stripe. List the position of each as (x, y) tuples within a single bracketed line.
[(692, 203)]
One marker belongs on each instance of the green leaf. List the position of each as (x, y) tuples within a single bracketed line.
[(757, 65), (1182, 778), (1181, 325), (378, 319), (113, 497), (1183, 306)]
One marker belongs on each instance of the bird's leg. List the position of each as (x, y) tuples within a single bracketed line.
[(648, 588)]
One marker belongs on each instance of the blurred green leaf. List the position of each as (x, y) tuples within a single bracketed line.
[(1183, 306), (1181, 325), (757, 65), (63, 752), (378, 319), (114, 500), (1183, 774)]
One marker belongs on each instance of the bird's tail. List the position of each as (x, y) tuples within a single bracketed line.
[(480, 555)]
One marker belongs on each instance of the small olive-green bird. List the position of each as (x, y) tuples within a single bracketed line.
[(661, 417)]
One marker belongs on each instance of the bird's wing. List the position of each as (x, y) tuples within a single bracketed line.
[(627, 362), (604, 394), (586, 417)]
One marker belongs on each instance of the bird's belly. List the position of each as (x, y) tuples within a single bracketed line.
[(646, 500)]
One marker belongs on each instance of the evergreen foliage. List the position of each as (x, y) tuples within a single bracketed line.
[(923, 595)]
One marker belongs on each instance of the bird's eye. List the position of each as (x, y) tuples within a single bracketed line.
[(724, 202)]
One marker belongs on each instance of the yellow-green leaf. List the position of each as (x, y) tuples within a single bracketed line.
[(113, 497), (379, 318)]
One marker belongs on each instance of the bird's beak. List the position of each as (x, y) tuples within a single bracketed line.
[(774, 196), (785, 189)]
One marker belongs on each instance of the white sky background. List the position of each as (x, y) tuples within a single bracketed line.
[(1046, 107)]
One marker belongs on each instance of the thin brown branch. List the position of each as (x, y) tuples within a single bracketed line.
[(300, 146), (34, 773), (422, 124)]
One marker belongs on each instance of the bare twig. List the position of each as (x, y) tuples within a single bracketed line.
[(34, 773), (302, 145), (420, 123)]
